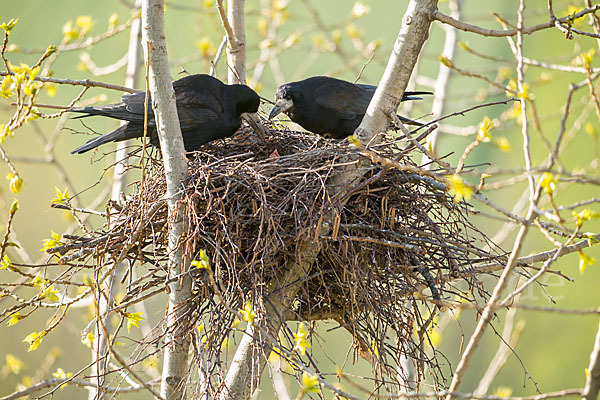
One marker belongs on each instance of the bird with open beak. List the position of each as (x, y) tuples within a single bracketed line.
[(328, 106)]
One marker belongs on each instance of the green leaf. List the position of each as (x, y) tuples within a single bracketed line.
[(203, 263), (14, 318), (8, 26), (34, 339), (5, 263), (49, 293), (133, 319), (61, 197), (310, 383)]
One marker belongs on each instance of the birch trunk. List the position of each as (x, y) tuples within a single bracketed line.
[(411, 38), (175, 366), (236, 50)]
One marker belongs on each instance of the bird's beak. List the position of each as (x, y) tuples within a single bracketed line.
[(254, 122), (281, 105)]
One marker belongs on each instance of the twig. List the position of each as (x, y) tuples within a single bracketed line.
[(85, 82), (508, 32)]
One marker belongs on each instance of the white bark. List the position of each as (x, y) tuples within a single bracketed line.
[(413, 34), (236, 50), (171, 143)]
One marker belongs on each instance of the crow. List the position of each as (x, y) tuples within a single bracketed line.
[(328, 106), (207, 108)]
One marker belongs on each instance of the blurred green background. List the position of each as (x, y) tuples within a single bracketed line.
[(553, 350)]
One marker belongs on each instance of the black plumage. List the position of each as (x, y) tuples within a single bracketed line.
[(208, 110), (328, 106)]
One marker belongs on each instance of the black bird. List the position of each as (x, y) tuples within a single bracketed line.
[(208, 110), (328, 106)]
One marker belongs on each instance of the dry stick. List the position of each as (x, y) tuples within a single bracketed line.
[(511, 263), (85, 82), (175, 368), (507, 32), (592, 382)]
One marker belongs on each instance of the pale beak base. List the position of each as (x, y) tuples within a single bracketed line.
[(281, 105)]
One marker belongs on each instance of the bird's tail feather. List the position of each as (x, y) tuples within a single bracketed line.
[(409, 121), (414, 95), (114, 136), (118, 111)]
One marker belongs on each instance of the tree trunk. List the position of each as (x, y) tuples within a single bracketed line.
[(177, 343), (236, 52), (411, 38)]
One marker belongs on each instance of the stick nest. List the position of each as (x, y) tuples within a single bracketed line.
[(387, 246)]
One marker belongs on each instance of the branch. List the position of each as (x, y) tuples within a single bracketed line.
[(508, 32), (85, 82), (77, 382), (592, 382)]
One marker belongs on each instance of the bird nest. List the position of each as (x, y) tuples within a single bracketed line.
[(386, 248)]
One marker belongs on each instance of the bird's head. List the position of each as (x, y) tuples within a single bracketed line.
[(247, 106), (285, 99), (247, 100)]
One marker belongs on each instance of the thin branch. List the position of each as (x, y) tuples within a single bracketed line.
[(507, 32), (85, 82), (592, 382)]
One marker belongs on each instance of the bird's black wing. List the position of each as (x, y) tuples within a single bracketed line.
[(368, 88), (197, 106), (346, 99), (193, 106), (134, 106), (408, 95)]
